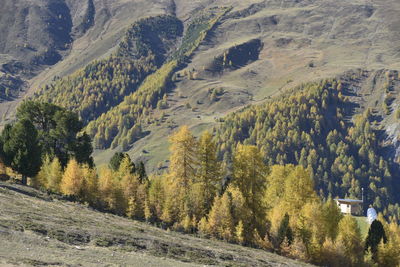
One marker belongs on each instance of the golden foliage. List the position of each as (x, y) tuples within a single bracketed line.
[(72, 180)]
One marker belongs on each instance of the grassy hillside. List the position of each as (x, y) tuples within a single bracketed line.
[(365, 90), (38, 229)]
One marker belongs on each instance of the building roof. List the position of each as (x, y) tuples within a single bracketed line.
[(350, 201)]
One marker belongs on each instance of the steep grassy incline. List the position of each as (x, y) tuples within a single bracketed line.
[(37, 229)]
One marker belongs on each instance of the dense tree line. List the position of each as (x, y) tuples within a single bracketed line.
[(271, 207), (313, 127), (43, 129), (122, 125), (120, 190)]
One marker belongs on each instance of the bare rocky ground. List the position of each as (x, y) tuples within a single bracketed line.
[(37, 229)]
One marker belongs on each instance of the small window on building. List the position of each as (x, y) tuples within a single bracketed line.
[(348, 205)]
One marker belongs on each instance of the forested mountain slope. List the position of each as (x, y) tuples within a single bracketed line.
[(46, 39), (255, 50), (331, 128), (104, 83)]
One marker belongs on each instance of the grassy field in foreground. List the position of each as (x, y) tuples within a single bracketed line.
[(37, 229)]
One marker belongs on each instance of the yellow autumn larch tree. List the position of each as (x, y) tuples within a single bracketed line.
[(181, 175), (72, 181), (249, 176)]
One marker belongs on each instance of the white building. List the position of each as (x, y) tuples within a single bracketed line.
[(350, 206)]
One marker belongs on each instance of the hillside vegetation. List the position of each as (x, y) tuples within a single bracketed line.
[(122, 124), (321, 133), (41, 36), (103, 84), (273, 207)]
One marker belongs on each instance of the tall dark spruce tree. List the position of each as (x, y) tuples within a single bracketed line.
[(21, 149)]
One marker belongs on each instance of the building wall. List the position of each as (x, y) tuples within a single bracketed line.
[(345, 208), (355, 209)]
